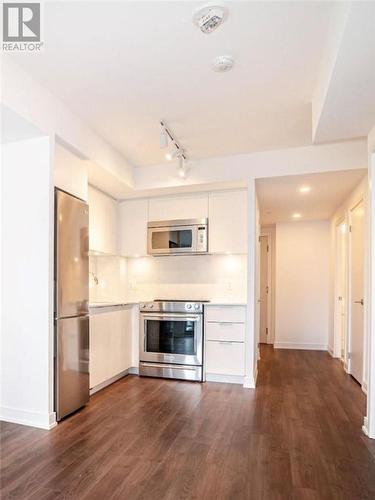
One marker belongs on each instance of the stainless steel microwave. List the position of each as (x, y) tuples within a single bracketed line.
[(176, 237)]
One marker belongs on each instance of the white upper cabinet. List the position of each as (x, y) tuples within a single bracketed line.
[(103, 222), (133, 227), (228, 222), (191, 206)]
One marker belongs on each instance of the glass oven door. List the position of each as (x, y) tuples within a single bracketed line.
[(165, 240), (171, 338)]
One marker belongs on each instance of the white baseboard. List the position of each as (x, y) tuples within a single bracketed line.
[(364, 387), (29, 418), (299, 345), (134, 370), (330, 351), (225, 379), (249, 382), (365, 426)]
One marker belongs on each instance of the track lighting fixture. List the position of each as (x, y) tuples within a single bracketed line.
[(163, 137), (176, 151)]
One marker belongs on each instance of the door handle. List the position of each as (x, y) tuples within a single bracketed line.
[(359, 302)]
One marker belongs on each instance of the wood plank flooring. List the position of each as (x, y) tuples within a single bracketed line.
[(297, 436)]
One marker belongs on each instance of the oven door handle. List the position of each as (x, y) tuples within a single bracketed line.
[(147, 316)]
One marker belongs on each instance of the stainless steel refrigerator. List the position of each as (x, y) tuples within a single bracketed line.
[(71, 303)]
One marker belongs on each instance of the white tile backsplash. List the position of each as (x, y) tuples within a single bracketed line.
[(111, 274), (209, 277)]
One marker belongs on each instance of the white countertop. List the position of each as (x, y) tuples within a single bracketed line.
[(94, 305), (225, 303)]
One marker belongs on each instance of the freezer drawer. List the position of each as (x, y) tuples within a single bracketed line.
[(71, 365)]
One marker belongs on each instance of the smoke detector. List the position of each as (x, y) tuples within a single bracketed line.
[(209, 18), (222, 63)]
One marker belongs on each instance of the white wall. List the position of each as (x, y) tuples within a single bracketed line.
[(70, 172), (302, 284), (210, 277), (26, 284)]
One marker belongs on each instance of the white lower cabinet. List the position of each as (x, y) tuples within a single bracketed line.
[(225, 343), (225, 358), (231, 332), (110, 343)]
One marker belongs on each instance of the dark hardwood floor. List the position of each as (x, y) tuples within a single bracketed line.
[(297, 436)]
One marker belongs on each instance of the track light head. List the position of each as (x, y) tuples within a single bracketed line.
[(182, 170), (174, 153)]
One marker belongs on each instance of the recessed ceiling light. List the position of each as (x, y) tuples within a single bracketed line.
[(304, 189), (296, 216)]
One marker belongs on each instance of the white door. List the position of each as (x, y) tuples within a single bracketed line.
[(264, 289), (357, 289), (340, 294)]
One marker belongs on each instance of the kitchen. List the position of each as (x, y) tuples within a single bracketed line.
[(126, 274), (142, 355)]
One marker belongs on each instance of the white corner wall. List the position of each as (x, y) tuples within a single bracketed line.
[(302, 285), (26, 283), (70, 173)]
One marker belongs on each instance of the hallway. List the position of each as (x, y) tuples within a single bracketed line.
[(297, 436)]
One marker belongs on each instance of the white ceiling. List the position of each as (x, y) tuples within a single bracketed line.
[(122, 66), (279, 197), (349, 107)]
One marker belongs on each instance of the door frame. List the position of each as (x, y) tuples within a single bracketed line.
[(350, 297), (337, 335), (369, 420), (266, 232)]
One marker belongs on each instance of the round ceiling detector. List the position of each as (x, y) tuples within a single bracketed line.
[(222, 63), (209, 18)]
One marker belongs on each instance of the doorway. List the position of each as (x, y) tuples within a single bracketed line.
[(265, 290), (357, 231), (340, 319)]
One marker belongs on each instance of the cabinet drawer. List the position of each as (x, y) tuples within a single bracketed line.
[(226, 314), (232, 332), (225, 358)]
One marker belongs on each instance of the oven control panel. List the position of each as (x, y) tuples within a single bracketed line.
[(167, 306)]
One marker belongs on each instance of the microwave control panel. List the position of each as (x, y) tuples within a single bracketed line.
[(202, 239)]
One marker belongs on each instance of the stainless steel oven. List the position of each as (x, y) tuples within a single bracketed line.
[(171, 340), (177, 237)]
